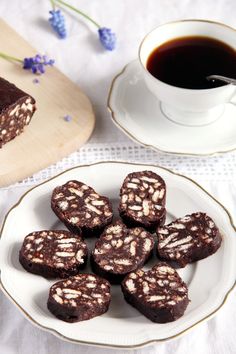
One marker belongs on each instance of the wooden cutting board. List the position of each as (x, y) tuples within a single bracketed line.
[(48, 137)]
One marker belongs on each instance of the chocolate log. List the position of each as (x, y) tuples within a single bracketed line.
[(16, 111)]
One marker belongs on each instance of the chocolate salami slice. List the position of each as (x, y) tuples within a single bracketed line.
[(79, 298), (53, 254), (80, 208), (120, 250), (188, 239), (159, 294), (16, 111), (142, 202)]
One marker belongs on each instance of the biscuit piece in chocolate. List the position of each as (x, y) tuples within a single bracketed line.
[(53, 253), (142, 202), (80, 208), (79, 298), (159, 294), (188, 239), (16, 111), (120, 250)]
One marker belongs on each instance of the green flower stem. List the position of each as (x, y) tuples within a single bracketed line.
[(79, 12), (53, 4), (9, 57)]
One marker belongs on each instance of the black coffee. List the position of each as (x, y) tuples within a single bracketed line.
[(187, 61)]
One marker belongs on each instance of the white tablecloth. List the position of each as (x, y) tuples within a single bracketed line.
[(81, 58)]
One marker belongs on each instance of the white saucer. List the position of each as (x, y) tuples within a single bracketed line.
[(137, 112)]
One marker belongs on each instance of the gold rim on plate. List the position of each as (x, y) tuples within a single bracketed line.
[(105, 345)]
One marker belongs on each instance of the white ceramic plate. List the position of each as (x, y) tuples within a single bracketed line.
[(137, 113), (209, 280)]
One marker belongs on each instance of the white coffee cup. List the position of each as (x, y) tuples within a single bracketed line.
[(188, 106)]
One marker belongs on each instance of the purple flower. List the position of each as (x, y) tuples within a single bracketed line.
[(57, 22), (37, 63), (36, 81), (67, 118), (107, 38)]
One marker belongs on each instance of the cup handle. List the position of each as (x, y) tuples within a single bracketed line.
[(233, 99)]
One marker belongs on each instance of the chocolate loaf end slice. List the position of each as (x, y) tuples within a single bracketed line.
[(16, 111)]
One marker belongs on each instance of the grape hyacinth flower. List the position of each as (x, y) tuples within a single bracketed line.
[(57, 23), (106, 36), (36, 64)]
